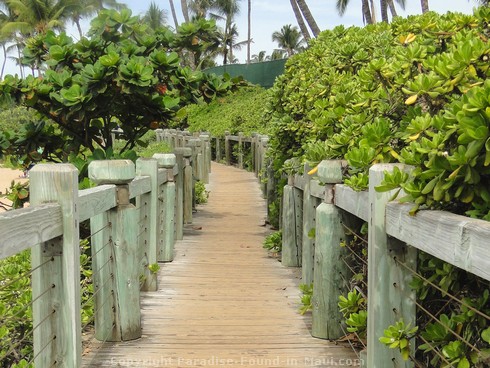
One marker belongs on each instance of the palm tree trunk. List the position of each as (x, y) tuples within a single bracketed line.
[(366, 12), (425, 5), (20, 62), (4, 60), (299, 19), (384, 11), (249, 34), (373, 12), (174, 14), (185, 10), (392, 8), (308, 16), (79, 27)]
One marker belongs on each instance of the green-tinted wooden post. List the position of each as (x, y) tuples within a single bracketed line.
[(218, 149), (328, 267), (253, 154), (56, 285), (263, 176), (389, 295), (310, 204), (159, 133), (291, 254), (227, 149), (240, 150), (206, 152), (126, 317), (188, 186), (167, 209), (149, 207), (179, 193)]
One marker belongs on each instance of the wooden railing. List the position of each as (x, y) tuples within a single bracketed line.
[(324, 204), (136, 213)]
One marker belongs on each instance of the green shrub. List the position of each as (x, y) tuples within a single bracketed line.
[(201, 193)]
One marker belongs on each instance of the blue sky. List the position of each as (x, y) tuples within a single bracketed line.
[(270, 15)]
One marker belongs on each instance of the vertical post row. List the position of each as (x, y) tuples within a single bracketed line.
[(206, 153), (58, 310), (167, 208), (149, 205), (126, 318), (240, 150), (328, 253), (218, 149), (309, 217), (389, 295)]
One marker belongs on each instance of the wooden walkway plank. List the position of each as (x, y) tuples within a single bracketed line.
[(223, 302)]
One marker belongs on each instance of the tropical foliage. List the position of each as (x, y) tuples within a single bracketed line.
[(122, 76)]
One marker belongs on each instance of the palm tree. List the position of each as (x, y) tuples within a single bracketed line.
[(185, 10), (385, 4), (278, 54), (88, 8), (288, 39), (367, 10), (260, 57), (200, 8), (174, 14), (249, 31), (155, 17), (308, 17), (425, 5), (228, 9), (299, 19)]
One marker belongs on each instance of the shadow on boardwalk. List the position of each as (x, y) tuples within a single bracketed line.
[(223, 301)]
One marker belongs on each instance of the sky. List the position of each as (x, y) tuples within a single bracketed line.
[(269, 16)]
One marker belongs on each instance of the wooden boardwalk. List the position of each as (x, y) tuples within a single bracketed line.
[(223, 301)]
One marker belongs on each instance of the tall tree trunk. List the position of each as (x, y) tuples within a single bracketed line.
[(4, 60), (425, 5), (79, 27), (308, 16), (299, 19), (185, 10), (373, 12), (384, 11), (20, 62), (249, 34), (174, 14), (366, 12), (392, 8)]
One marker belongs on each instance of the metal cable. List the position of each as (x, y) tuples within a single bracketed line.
[(354, 233), (109, 224), (103, 247), (42, 350), (98, 290), (28, 273), (435, 350), (350, 343), (352, 270), (111, 296), (441, 290), (355, 254)]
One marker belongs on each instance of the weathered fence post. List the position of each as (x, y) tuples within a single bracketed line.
[(291, 250), (56, 285), (253, 152), (125, 314), (389, 295), (309, 223), (263, 174), (179, 193), (165, 251), (240, 150), (218, 149), (149, 210), (328, 270), (188, 186), (227, 149)]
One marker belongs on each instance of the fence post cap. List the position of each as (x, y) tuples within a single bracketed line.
[(112, 171), (165, 160), (330, 171), (187, 152), (193, 142)]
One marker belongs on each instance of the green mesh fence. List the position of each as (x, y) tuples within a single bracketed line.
[(263, 74)]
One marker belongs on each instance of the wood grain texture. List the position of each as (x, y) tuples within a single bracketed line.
[(140, 185), (96, 200), (356, 203), (24, 228), (223, 302), (458, 240)]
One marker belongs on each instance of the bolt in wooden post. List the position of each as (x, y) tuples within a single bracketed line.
[(328, 267), (179, 193), (125, 320), (389, 295), (56, 285), (227, 149), (188, 187), (149, 208), (167, 209)]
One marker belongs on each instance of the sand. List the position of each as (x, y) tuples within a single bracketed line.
[(6, 177)]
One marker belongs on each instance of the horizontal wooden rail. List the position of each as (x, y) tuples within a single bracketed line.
[(96, 200), (24, 228), (456, 239), (356, 203)]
